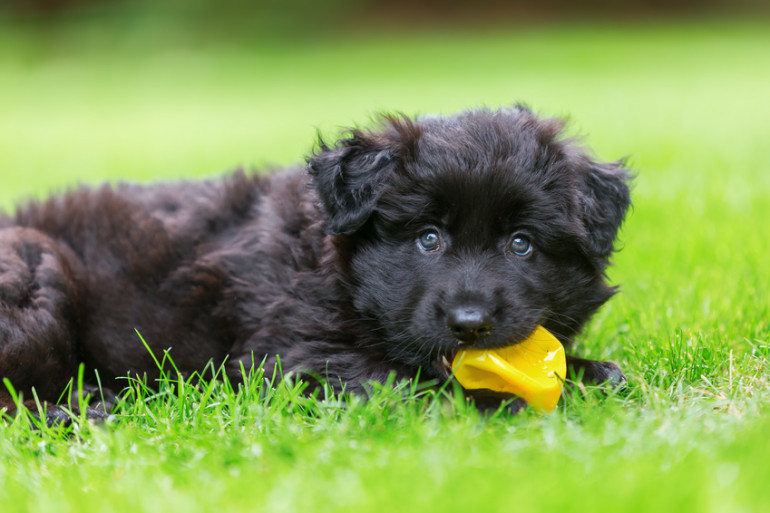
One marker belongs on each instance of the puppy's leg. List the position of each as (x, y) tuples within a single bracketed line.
[(38, 318), (596, 372), (489, 401)]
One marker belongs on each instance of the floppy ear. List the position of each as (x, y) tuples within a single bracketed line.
[(605, 198), (349, 177)]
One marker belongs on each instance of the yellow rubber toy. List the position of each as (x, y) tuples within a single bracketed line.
[(533, 369)]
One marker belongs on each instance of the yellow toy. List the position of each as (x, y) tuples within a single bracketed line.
[(533, 369)]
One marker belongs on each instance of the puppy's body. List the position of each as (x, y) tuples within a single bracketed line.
[(398, 247)]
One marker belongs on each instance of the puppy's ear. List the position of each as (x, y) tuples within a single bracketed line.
[(349, 177), (604, 200)]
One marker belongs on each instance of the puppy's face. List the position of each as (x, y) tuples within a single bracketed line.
[(470, 231)]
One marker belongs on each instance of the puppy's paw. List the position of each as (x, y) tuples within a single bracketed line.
[(98, 399), (488, 401), (596, 372), (54, 415), (57, 416)]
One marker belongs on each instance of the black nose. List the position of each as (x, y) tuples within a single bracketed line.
[(469, 323)]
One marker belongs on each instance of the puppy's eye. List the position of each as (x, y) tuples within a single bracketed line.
[(429, 240), (520, 245)]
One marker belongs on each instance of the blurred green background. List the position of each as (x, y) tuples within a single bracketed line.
[(94, 90)]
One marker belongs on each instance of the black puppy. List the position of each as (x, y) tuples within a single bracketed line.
[(400, 246)]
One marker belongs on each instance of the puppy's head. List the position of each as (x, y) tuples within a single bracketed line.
[(470, 230)]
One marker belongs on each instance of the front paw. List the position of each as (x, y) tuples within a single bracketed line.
[(489, 401), (54, 415), (607, 374)]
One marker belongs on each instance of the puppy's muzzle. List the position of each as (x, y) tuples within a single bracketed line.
[(469, 323)]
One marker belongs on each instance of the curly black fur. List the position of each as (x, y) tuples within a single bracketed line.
[(323, 268)]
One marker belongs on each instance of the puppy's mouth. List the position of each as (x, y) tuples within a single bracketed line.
[(446, 357)]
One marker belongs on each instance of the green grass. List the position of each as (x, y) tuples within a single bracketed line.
[(687, 103)]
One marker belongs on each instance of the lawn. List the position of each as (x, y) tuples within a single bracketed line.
[(687, 103)]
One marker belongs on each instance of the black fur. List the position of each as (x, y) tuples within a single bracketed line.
[(323, 268)]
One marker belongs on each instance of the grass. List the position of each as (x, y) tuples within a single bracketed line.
[(691, 326)]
